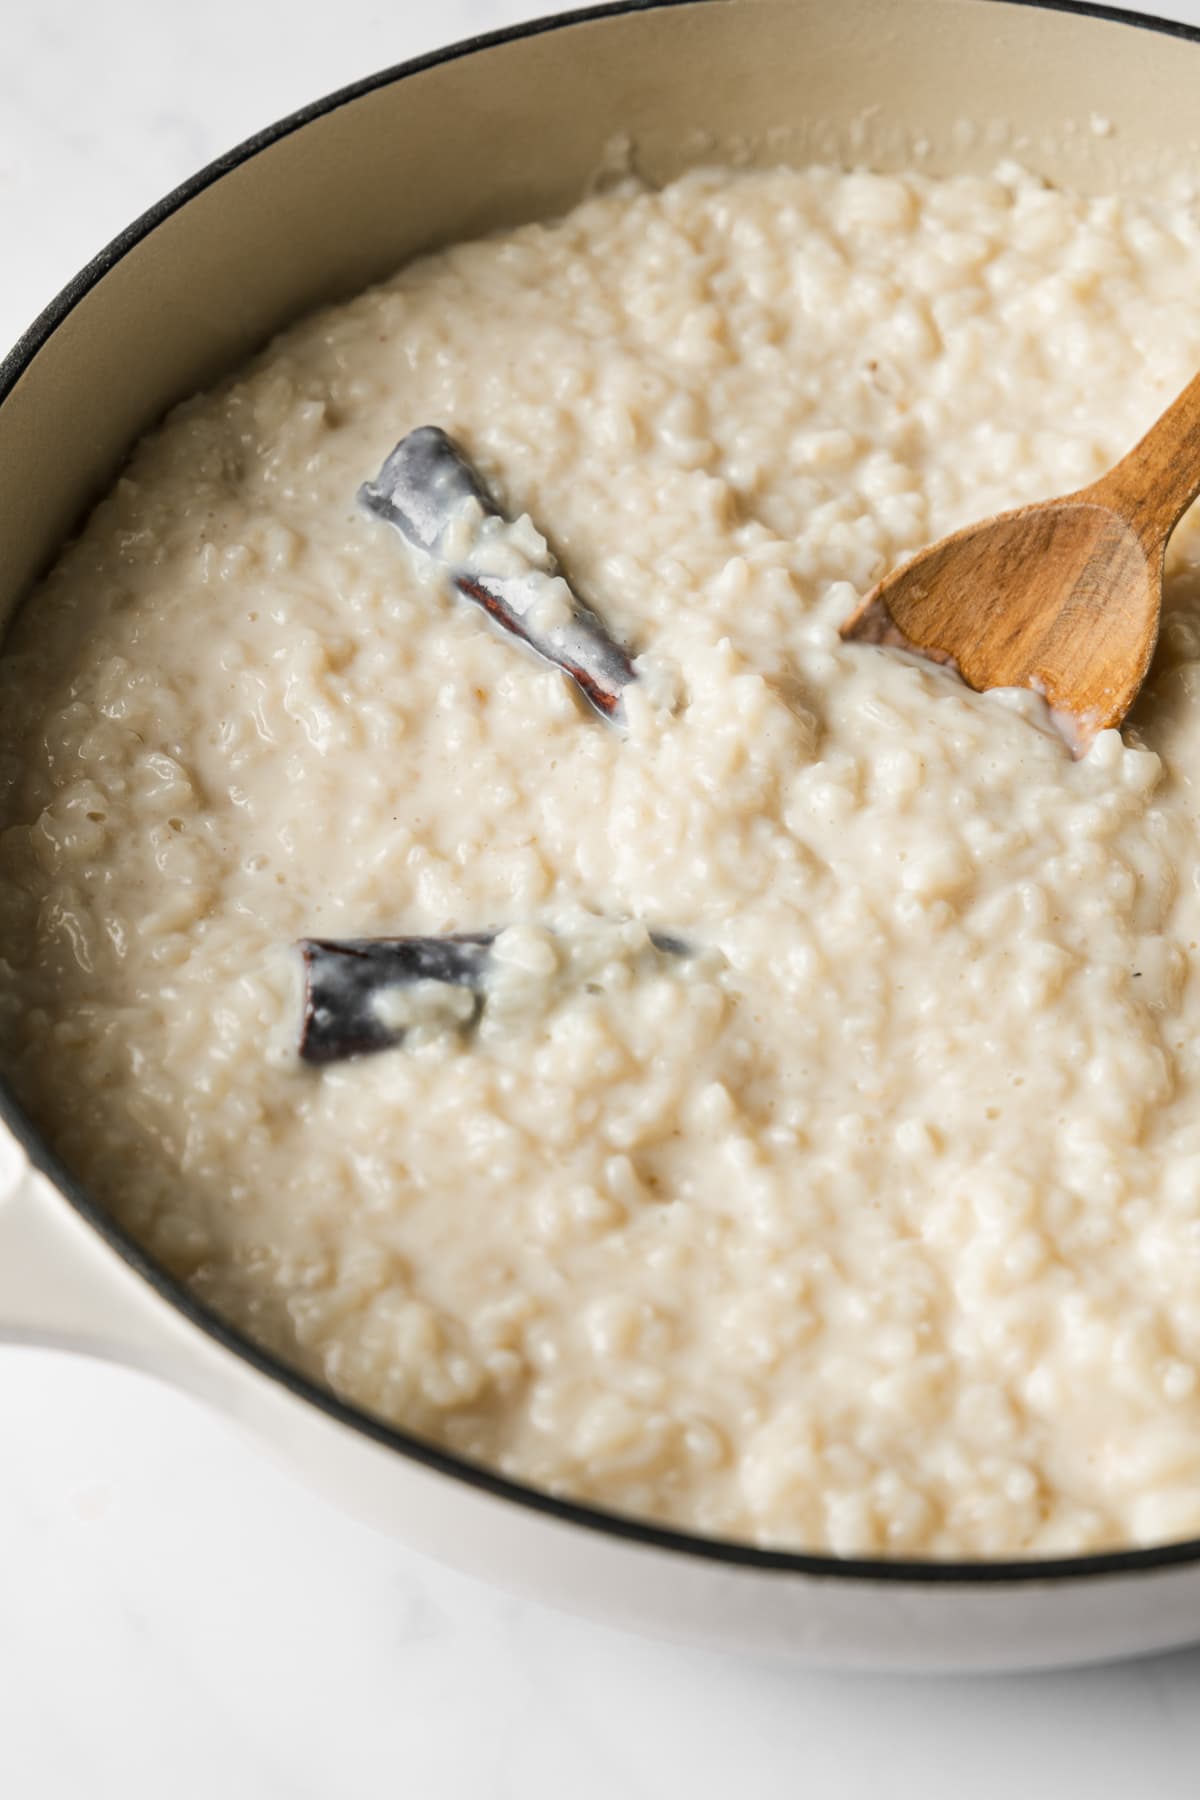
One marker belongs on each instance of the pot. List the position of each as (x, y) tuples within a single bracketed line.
[(482, 135)]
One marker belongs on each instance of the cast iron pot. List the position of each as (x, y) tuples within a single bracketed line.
[(485, 134)]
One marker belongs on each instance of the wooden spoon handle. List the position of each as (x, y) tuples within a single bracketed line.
[(1154, 485)]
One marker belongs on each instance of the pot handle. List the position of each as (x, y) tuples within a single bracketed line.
[(63, 1287)]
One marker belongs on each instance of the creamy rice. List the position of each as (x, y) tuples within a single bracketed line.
[(875, 1226)]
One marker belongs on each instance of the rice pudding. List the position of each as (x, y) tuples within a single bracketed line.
[(871, 1225)]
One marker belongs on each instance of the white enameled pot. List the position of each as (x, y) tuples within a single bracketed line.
[(484, 134)]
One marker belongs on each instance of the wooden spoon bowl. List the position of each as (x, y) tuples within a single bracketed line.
[(1063, 597)]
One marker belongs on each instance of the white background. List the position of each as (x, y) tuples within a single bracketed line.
[(177, 1618)]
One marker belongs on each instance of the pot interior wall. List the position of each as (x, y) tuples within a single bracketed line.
[(519, 130)]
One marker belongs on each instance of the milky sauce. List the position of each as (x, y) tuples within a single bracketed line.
[(873, 1223)]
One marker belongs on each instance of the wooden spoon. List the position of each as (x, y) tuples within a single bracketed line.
[(1063, 597)]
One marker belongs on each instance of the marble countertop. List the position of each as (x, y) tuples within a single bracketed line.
[(177, 1617)]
